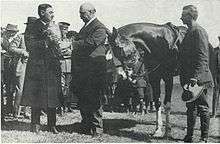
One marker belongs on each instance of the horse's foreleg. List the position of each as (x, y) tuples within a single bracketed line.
[(156, 94), (167, 103), (159, 123)]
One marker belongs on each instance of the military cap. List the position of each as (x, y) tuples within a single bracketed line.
[(31, 20), (64, 24)]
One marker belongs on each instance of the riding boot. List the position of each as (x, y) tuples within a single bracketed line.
[(191, 120), (51, 120), (205, 120), (35, 120)]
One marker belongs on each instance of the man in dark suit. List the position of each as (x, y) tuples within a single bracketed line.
[(42, 86), (89, 69), (194, 59)]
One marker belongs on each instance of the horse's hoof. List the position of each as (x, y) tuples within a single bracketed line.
[(167, 135), (158, 133)]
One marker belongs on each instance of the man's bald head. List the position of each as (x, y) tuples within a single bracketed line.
[(87, 12), (88, 7)]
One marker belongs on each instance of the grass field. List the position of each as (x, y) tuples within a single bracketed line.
[(118, 128)]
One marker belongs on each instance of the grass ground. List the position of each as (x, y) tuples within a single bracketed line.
[(118, 127)]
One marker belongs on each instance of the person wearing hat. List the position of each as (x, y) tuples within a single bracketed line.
[(7, 36), (18, 49), (195, 73), (65, 69), (42, 86)]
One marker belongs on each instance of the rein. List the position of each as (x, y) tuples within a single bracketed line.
[(154, 69)]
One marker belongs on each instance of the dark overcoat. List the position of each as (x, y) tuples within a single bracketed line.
[(42, 86)]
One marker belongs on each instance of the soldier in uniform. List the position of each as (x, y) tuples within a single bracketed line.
[(89, 69), (8, 35), (65, 69)]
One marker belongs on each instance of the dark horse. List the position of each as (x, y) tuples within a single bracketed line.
[(158, 45)]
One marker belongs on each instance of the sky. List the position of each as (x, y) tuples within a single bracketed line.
[(116, 13)]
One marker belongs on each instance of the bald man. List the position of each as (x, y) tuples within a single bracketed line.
[(89, 69)]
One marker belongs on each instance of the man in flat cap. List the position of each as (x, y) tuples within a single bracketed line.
[(65, 69), (8, 35), (89, 69), (194, 70)]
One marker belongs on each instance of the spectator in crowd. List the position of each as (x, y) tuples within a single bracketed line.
[(65, 69), (19, 60), (89, 69), (194, 70), (7, 36), (216, 77)]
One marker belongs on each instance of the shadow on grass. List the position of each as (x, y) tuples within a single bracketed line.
[(76, 127), (215, 137), (16, 125), (115, 127)]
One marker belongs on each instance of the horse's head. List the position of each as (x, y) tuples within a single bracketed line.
[(180, 32), (123, 48)]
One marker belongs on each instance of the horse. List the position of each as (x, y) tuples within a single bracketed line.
[(158, 46)]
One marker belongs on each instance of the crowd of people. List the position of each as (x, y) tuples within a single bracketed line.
[(46, 65)]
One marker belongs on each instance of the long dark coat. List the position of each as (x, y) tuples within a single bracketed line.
[(42, 87)]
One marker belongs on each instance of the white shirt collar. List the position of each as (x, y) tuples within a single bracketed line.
[(90, 21)]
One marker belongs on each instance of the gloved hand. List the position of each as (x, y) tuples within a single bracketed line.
[(193, 82)]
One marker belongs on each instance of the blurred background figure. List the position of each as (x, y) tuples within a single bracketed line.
[(18, 48), (65, 70), (7, 36), (215, 61)]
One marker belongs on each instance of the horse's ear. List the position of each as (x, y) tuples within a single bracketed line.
[(114, 33)]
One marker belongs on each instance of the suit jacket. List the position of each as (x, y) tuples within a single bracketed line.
[(17, 47), (91, 40), (88, 58), (194, 56)]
